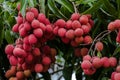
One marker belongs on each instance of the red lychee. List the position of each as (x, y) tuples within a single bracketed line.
[(77, 52), (30, 16), (99, 46), (13, 61), (35, 11), (27, 47), (111, 26), (73, 43), (55, 30), (117, 76), (87, 39), (29, 59), (38, 32), (19, 20), (41, 18), (90, 71), (86, 64), (27, 26), (32, 39), (70, 34), (112, 61), (76, 24), (15, 28), (20, 75), (9, 49), (83, 19), (112, 75), (96, 62), (65, 40), (79, 39), (38, 68), (87, 57), (105, 62), (46, 60), (60, 23), (42, 26), (75, 16), (35, 24), (36, 52), (118, 68), (84, 51), (78, 32), (117, 23), (26, 40), (23, 32), (68, 24), (61, 32), (49, 28), (85, 29)]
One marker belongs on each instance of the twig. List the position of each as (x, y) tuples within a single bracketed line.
[(75, 7)]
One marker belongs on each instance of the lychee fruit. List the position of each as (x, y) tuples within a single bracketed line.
[(68, 24), (84, 51), (32, 39), (55, 30), (77, 52), (20, 75), (112, 61), (13, 61), (61, 32), (49, 28), (35, 11), (35, 24), (87, 39), (41, 18), (117, 76), (111, 26), (15, 28), (27, 73), (83, 19), (112, 75), (27, 47), (118, 68), (26, 40), (38, 68), (99, 46), (29, 59), (42, 26), (79, 39), (70, 34), (117, 23), (105, 62), (27, 26), (23, 32), (75, 16), (19, 20), (96, 62), (38, 32), (9, 49), (36, 52), (76, 24), (86, 64), (65, 40), (46, 60), (78, 32), (60, 23), (30, 16), (85, 29)]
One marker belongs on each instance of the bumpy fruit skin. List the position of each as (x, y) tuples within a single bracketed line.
[(46, 60), (27, 73), (79, 40), (61, 32), (13, 61), (26, 40), (112, 75), (30, 16), (111, 26), (77, 52), (19, 52), (105, 62), (70, 34), (23, 32), (97, 62), (112, 61), (65, 40), (75, 16), (76, 24), (36, 52), (68, 24), (85, 29), (117, 76), (38, 68), (35, 11), (83, 19), (27, 26), (118, 68), (8, 74), (86, 64), (32, 39), (42, 26), (38, 32), (79, 32), (20, 75), (19, 20), (49, 28), (29, 59), (13, 78), (90, 71), (27, 47), (87, 57), (15, 28), (84, 51), (87, 39), (9, 49), (41, 17), (55, 30), (35, 24), (60, 23), (117, 23), (99, 46)]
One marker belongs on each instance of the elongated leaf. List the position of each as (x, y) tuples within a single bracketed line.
[(31, 3), (118, 7), (55, 10), (117, 50), (67, 73), (42, 6), (109, 7), (66, 4), (8, 36), (95, 7), (23, 7)]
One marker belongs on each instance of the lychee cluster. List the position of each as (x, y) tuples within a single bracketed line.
[(91, 64), (115, 25), (116, 74), (30, 51), (74, 31)]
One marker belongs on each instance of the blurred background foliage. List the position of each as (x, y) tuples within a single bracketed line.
[(102, 11)]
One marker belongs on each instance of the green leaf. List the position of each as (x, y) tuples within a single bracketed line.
[(118, 7), (94, 8), (105, 78), (99, 54), (55, 10), (66, 4), (1, 1), (109, 7), (117, 50), (31, 3), (8, 36), (67, 72), (23, 7), (42, 6)]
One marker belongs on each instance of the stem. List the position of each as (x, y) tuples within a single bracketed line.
[(75, 7)]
